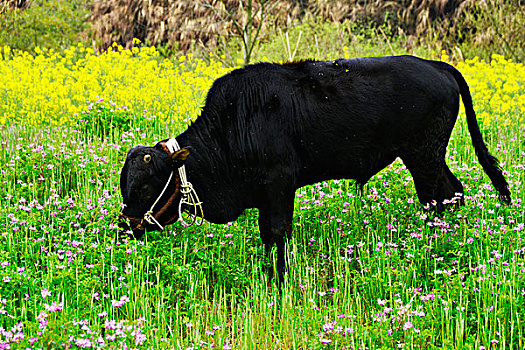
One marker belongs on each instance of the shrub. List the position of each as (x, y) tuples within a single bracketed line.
[(51, 24)]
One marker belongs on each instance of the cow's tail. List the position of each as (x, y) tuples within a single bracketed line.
[(489, 163)]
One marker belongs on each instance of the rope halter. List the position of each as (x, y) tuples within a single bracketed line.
[(189, 200)]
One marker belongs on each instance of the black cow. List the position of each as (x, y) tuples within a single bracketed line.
[(268, 129)]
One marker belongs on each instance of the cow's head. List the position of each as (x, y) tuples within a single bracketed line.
[(147, 172)]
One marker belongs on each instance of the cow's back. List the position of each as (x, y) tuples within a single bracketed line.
[(335, 119)]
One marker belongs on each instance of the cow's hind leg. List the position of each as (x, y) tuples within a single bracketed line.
[(448, 187), (455, 184), (424, 156), (432, 177), (433, 180)]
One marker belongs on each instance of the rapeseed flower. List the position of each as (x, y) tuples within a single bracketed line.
[(497, 88), (53, 88)]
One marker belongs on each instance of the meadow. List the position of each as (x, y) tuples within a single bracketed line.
[(370, 270)]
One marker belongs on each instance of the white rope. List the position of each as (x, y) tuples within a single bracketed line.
[(189, 196), (149, 214)]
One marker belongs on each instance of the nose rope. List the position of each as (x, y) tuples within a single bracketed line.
[(189, 196), (149, 214)]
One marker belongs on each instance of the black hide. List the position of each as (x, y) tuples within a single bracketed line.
[(268, 129)]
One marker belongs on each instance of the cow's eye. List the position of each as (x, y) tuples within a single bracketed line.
[(147, 158)]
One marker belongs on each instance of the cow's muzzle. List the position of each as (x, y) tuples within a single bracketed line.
[(130, 226)]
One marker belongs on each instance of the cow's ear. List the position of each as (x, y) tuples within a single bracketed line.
[(178, 158)]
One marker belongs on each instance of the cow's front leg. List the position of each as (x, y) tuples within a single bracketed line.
[(275, 225), (281, 256)]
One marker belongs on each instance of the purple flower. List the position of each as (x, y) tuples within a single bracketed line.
[(45, 293), (118, 303), (328, 326), (110, 324), (83, 343), (139, 337), (407, 326), (53, 307)]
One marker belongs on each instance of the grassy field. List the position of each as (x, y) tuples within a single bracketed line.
[(375, 270)]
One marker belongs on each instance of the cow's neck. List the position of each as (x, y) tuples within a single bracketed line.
[(208, 170)]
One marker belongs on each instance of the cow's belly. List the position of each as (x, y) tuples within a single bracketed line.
[(360, 167)]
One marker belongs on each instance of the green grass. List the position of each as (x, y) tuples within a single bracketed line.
[(375, 270), (46, 24)]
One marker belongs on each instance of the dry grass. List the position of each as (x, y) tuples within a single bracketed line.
[(7, 5), (182, 23), (487, 25)]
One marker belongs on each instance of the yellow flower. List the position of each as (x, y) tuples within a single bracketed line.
[(53, 88), (50, 88)]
